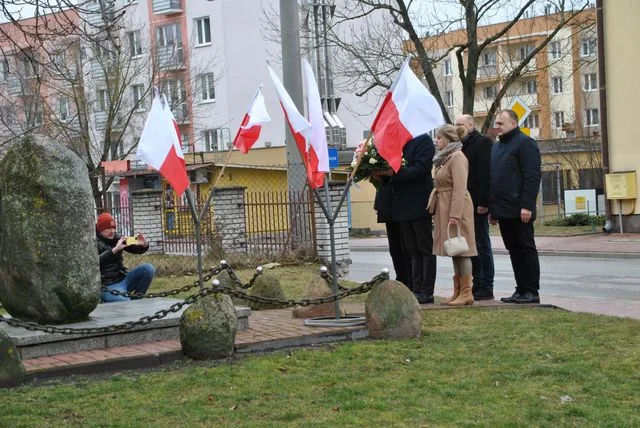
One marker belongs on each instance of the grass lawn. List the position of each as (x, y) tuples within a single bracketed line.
[(506, 367)]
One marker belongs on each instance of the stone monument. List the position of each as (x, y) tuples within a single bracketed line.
[(49, 269)]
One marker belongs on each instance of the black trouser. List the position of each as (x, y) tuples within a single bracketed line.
[(418, 240), (519, 241), (399, 256)]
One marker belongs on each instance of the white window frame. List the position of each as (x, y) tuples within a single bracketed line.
[(588, 47), (558, 119), (592, 117), (169, 35), (556, 84), (184, 137), (64, 110), (555, 50), (210, 140), (135, 43), (490, 92), (207, 87), (137, 94), (489, 59), (449, 95), (447, 70), (532, 121), (203, 31), (103, 99), (4, 70), (532, 86), (590, 82)]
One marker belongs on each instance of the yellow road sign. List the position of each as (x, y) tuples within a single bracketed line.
[(520, 108)]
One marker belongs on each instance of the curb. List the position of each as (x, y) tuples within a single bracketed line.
[(542, 253)]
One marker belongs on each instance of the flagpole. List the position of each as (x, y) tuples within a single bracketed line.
[(360, 155)]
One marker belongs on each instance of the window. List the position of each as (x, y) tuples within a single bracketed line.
[(203, 27), (489, 58), (137, 93), (555, 50), (550, 187), (135, 45), (447, 67), (169, 36), (556, 83), (523, 51), (210, 141), (103, 100), (59, 61), (64, 109), (590, 178), (28, 64), (185, 142), (4, 70), (207, 88), (174, 91), (590, 82), (490, 92), (102, 50), (558, 119), (532, 87), (593, 117), (531, 121), (588, 47), (449, 98)]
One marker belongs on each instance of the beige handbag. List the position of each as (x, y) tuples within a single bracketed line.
[(455, 246)]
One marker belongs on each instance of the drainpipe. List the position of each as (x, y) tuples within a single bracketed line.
[(602, 92)]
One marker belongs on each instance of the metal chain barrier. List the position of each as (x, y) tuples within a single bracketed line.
[(215, 288), (212, 272)]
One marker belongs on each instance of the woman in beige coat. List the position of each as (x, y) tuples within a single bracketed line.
[(452, 207)]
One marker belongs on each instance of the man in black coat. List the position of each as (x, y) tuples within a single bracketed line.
[(515, 181), (411, 187), (477, 149), (399, 257)]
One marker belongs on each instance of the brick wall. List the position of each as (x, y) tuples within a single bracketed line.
[(147, 217), (341, 230)]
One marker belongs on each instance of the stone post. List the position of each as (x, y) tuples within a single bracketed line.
[(147, 217), (340, 227), (230, 225)]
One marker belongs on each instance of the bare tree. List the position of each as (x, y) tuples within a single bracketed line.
[(431, 35)]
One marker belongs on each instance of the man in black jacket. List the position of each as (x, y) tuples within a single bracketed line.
[(477, 149), (515, 181), (113, 273), (410, 188)]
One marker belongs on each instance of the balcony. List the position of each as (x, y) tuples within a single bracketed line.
[(170, 57), (167, 7)]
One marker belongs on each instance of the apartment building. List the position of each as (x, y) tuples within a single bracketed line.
[(559, 86)]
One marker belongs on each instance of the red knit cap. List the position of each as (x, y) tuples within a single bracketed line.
[(105, 221)]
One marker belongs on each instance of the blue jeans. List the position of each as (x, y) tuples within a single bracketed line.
[(137, 281), (482, 264)]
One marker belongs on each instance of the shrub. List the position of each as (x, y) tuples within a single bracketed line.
[(577, 220)]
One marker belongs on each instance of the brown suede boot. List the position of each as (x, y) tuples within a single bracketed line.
[(456, 288), (466, 296)]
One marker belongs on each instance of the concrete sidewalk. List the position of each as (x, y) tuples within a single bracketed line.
[(616, 245)]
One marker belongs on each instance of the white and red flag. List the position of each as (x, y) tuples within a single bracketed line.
[(318, 150), (160, 145), (408, 110), (251, 125), (300, 128)]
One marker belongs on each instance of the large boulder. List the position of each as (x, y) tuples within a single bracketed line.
[(208, 328), (316, 289), (393, 312), (49, 269), (11, 368), (265, 285)]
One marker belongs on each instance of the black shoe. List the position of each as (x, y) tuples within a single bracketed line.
[(483, 295), (512, 298), (527, 298), (424, 298)]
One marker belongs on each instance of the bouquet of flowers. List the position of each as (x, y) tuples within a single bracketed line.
[(371, 161)]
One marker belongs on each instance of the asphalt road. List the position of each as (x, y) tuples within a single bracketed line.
[(584, 281)]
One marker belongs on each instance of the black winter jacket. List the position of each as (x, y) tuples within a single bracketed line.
[(412, 184), (477, 148), (515, 175), (112, 267)]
